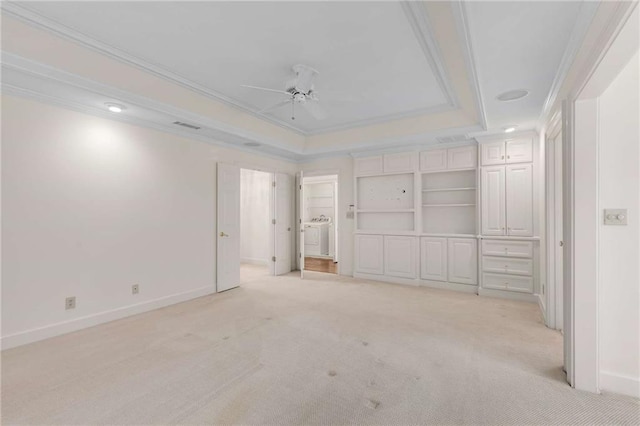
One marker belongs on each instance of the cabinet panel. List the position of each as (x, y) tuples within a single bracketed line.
[(433, 160), (507, 282), (492, 153), (519, 203), (400, 256), (402, 162), (433, 259), (507, 248), (464, 157), (493, 200), (368, 166), (507, 265), (369, 254), (463, 260), (519, 150)]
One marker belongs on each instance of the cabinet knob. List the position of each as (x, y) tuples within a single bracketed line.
[(508, 157), (502, 158)]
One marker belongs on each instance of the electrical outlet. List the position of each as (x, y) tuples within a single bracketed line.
[(70, 303), (135, 289)]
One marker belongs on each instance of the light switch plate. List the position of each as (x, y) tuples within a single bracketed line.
[(615, 216)]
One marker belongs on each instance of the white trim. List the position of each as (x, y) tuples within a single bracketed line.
[(585, 16), (417, 20), (511, 295), (460, 14), (616, 383), (64, 327), (416, 13)]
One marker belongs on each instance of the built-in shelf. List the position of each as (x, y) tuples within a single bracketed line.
[(449, 189), (385, 211), (448, 205)]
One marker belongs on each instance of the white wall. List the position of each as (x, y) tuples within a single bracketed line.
[(91, 206), (255, 208), (343, 167), (619, 246)]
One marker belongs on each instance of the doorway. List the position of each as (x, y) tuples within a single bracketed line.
[(319, 217), (255, 224)]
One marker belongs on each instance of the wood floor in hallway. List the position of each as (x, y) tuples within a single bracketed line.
[(320, 265)]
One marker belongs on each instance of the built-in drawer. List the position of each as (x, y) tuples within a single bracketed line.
[(507, 248), (506, 265), (507, 282)]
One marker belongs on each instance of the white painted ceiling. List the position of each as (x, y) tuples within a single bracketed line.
[(365, 51), (519, 45)]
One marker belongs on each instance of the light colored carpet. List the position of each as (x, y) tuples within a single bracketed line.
[(326, 350)]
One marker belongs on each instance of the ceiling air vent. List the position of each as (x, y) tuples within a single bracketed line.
[(187, 125), (452, 139)]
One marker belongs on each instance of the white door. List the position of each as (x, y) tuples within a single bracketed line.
[(493, 200), (433, 160), (368, 250), (433, 259), (558, 232), (492, 153), (283, 224), (464, 157), (228, 241), (463, 261), (301, 207), (401, 256), (519, 150), (519, 200)]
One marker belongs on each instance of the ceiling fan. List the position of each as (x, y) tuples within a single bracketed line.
[(299, 91)]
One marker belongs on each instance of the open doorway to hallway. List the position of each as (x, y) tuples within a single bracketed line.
[(320, 221), (255, 224)]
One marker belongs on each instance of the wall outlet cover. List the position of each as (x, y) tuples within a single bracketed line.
[(70, 303), (615, 217), (135, 289)]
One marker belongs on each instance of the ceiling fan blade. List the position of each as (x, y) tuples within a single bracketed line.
[(266, 89), (305, 77), (278, 105), (315, 109)]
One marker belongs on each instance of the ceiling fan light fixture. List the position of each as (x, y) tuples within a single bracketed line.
[(512, 95), (115, 107)]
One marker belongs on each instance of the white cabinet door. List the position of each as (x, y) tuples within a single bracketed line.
[(368, 166), (492, 153), (433, 160), (402, 162), (369, 258), (463, 261), (519, 194), (464, 157), (493, 200), (433, 259), (519, 150), (400, 256)]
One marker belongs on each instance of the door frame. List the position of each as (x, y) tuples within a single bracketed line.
[(554, 215), (338, 222)]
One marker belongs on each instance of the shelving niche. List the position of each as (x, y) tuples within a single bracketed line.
[(449, 199), (386, 202)]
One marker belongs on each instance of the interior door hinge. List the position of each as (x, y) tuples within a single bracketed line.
[(273, 258), (273, 221), (274, 183), (300, 186)]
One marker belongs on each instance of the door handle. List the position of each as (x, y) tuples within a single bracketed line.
[(288, 229), (561, 243), (222, 234)]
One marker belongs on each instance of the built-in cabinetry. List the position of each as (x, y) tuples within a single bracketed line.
[(459, 217)]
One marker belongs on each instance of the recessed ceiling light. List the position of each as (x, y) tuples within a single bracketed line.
[(115, 107), (509, 129), (512, 95), (253, 144)]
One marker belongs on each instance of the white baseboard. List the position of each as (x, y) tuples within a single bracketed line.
[(36, 334), (252, 261), (616, 383)]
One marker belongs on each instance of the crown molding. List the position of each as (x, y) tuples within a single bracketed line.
[(581, 26), (418, 18), (48, 73), (462, 23), (415, 12)]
